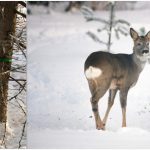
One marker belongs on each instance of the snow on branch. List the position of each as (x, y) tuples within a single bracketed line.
[(119, 26), (95, 38), (19, 13), (89, 16), (22, 3)]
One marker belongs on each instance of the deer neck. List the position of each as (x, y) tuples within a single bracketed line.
[(139, 62)]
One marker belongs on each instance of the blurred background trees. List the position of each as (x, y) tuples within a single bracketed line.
[(88, 8), (71, 6)]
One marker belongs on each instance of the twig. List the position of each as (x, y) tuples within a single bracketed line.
[(21, 107), (17, 81), (20, 67), (17, 40), (19, 13), (21, 100), (23, 52), (17, 93), (96, 19), (95, 38), (88, 14), (22, 3), (23, 131), (19, 71), (14, 105), (122, 21)]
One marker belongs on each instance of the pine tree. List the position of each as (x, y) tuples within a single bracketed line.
[(119, 26)]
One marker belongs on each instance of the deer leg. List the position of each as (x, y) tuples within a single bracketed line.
[(124, 117), (98, 89), (123, 102), (94, 102), (98, 121), (112, 94)]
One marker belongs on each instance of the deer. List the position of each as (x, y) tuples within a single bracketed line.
[(115, 72)]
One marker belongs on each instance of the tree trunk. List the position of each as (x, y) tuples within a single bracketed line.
[(7, 27), (112, 4)]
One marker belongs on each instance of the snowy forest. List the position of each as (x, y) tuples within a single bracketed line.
[(61, 35), (13, 74)]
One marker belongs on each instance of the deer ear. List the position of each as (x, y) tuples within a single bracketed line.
[(148, 35), (133, 34)]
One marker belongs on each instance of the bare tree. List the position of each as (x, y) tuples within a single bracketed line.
[(12, 43), (7, 26)]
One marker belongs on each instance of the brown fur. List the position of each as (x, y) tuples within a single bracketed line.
[(119, 72)]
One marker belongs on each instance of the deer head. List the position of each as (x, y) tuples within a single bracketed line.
[(141, 45)]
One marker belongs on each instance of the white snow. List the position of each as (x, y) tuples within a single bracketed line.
[(123, 138), (59, 111)]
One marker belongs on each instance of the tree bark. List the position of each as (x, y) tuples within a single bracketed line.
[(7, 27)]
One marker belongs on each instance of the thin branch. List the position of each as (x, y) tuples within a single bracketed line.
[(22, 50), (102, 29), (21, 31), (20, 67), (122, 21), (95, 38), (88, 14), (23, 131), (19, 71), (21, 14), (17, 40), (96, 19), (117, 34), (123, 32), (17, 81), (22, 3), (15, 96), (21, 107), (14, 105), (21, 100)]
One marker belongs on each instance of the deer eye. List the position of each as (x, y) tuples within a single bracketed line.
[(139, 44)]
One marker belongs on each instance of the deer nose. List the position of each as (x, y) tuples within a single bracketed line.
[(145, 51)]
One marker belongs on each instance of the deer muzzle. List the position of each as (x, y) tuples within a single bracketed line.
[(145, 51)]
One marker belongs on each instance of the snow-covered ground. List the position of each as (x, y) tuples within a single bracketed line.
[(59, 111)]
